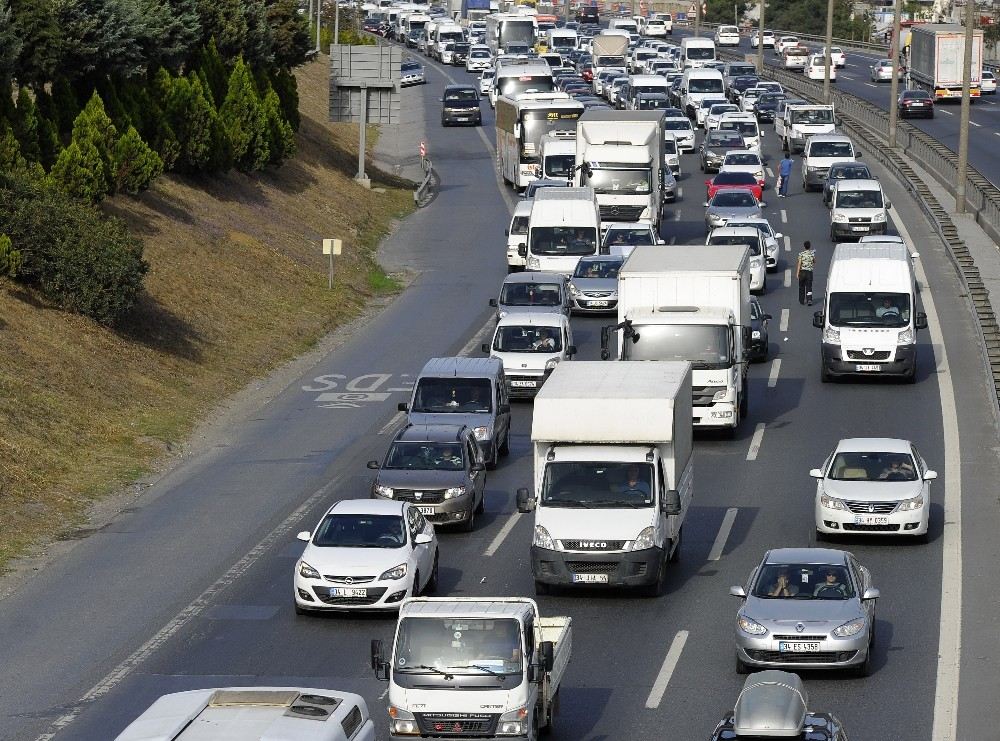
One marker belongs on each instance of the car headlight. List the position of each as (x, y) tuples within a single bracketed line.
[(755, 262), (573, 289), (513, 723), (749, 626), (879, 217), (812, 168), (755, 334), (551, 364), (308, 572), (542, 539), (645, 540), (839, 218), (383, 491), (850, 629), (720, 395), (905, 337), (402, 723), (396, 572), (908, 505), (759, 174), (831, 336), (534, 263), (481, 433), (832, 502), (453, 492)]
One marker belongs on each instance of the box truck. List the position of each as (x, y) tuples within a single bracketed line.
[(937, 59)]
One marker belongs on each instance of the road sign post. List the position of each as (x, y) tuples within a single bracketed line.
[(332, 247)]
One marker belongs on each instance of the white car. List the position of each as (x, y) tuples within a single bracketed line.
[(770, 237), (837, 56), (749, 97), (756, 36), (530, 346), (815, 69), (879, 486), (706, 104), (479, 59), (682, 130), (988, 83), (486, 82), (366, 554), (741, 160), (715, 113), (783, 42), (727, 36), (725, 235)]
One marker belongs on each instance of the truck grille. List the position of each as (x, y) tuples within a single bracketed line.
[(426, 497), (373, 596), (457, 725), (592, 567), (877, 355), (860, 220), (621, 213), (703, 394), (870, 508), (592, 545)]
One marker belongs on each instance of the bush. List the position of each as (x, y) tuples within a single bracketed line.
[(136, 165), (244, 121), (79, 172), (79, 258), (10, 259), (281, 138)]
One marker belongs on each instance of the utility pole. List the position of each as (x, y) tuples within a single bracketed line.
[(760, 40), (336, 21), (894, 83), (697, 17), (319, 23), (963, 127), (826, 55)]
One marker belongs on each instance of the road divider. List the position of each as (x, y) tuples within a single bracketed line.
[(720, 540), (755, 442), (666, 670), (772, 378)]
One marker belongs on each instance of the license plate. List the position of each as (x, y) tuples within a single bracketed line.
[(523, 384), (859, 228), (870, 520), (590, 578), (797, 647), (918, 105), (425, 510), (462, 118), (348, 592), (598, 303), (868, 368)]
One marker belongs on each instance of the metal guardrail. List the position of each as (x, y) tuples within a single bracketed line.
[(842, 43), (424, 192)]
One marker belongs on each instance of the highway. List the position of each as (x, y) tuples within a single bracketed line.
[(192, 587)]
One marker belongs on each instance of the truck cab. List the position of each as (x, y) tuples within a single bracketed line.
[(530, 346), (563, 227), (798, 122)]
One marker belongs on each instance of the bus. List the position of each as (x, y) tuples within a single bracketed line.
[(521, 122), (504, 29), (513, 77)]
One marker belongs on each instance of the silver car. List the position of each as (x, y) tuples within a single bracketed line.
[(727, 205), (532, 292), (411, 73), (594, 285), (806, 608)]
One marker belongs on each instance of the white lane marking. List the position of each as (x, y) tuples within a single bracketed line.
[(755, 441), (772, 379), (770, 172), (393, 423), (384, 693), (871, 84), (783, 323), (673, 240), (193, 610), (720, 540), (947, 113), (788, 243), (472, 346), (667, 670), (502, 535), (680, 192), (677, 215), (784, 216), (788, 277), (973, 123), (950, 629)]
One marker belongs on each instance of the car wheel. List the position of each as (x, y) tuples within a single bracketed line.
[(432, 583), (491, 460), (741, 667), (482, 504), (824, 374), (469, 525), (657, 588), (822, 537), (864, 669), (911, 377), (676, 555), (301, 610), (541, 588), (505, 446), (415, 587)]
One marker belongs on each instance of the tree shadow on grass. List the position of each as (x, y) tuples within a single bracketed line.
[(154, 326)]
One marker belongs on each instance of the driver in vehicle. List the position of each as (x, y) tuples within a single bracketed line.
[(887, 308), (448, 458), (831, 587), (633, 485), (783, 586), (897, 470), (544, 341)]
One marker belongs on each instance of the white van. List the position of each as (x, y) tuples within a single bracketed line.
[(558, 157), (857, 208), (695, 51), (563, 227), (530, 346), (697, 84), (821, 151), (869, 319), (517, 236), (644, 84)]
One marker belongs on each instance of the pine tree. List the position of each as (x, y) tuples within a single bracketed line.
[(49, 145), (10, 44), (10, 259), (80, 172), (243, 120), (281, 138), (93, 125), (25, 125), (192, 119), (257, 44), (289, 34), (136, 165), (287, 89), (65, 107), (211, 64), (225, 21), (166, 145), (36, 25), (10, 151)]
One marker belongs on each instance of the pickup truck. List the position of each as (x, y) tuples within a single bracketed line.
[(798, 122), (483, 667)]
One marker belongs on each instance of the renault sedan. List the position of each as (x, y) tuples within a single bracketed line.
[(873, 485), (806, 608)]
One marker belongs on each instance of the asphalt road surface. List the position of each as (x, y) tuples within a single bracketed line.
[(192, 588)]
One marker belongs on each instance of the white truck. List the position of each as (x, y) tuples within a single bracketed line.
[(563, 227), (558, 157), (690, 303), (613, 476), (937, 56), (446, 33), (483, 667), (799, 122), (620, 155), (608, 51), (252, 714)]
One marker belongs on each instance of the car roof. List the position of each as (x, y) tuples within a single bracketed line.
[(858, 184), (602, 258), (529, 276), (453, 88), (741, 152), (735, 231), (806, 555), (436, 433), (873, 445), (540, 319), (461, 367), (367, 507)]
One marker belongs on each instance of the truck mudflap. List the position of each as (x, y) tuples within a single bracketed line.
[(603, 569)]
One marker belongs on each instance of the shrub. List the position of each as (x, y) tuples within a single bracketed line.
[(136, 165), (79, 172), (280, 137), (10, 259), (243, 120)]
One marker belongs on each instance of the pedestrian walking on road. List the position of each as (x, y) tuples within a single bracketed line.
[(784, 175), (804, 273)]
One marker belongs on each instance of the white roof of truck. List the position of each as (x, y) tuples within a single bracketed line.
[(585, 193), (870, 266), (471, 607), (650, 259)]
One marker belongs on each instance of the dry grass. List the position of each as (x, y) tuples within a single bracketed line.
[(236, 286)]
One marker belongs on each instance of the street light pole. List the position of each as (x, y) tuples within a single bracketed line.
[(963, 127), (826, 55), (760, 41), (319, 23), (697, 17), (894, 89), (336, 21)]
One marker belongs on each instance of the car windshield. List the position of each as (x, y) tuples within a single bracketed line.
[(700, 52), (409, 67), (742, 158), (849, 172), (649, 104), (745, 128), (717, 141), (832, 149), (559, 165), (718, 110), (605, 181), (734, 199), (822, 116), (562, 240), (735, 178), (360, 531), (673, 124), (534, 339), (425, 456), (460, 645), (442, 395), (461, 96), (803, 582), (769, 99), (752, 242), (869, 309), (859, 199), (872, 466), (512, 86), (607, 269), (530, 294), (704, 346), (535, 185), (709, 103), (597, 485), (638, 236)]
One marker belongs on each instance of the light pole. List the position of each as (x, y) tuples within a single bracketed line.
[(319, 22), (697, 17), (760, 41), (894, 83), (826, 53), (336, 21), (963, 127)]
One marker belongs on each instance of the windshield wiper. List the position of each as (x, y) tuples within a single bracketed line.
[(409, 670), (498, 675), (618, 503), (564, 503)]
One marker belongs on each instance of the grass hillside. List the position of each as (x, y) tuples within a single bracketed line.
[(236, 286)]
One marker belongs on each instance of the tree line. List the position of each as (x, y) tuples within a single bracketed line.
[(801, 16)]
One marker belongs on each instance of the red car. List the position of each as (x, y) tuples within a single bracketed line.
[(734, 181), (587, 72)]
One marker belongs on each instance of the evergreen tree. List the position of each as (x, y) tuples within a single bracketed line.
[(289, 34), (166, 145), (257, 44), (206, 88), (280, 137), (10, 43), (65, 106), (49, 145), (25, 125), (36, 25), (244, 121), (80, 172), (287, 89), (136, 165), (224, 21), (10, 151), (178, 32), (10, 259), (193, 120), (210, 63), (94, 126)]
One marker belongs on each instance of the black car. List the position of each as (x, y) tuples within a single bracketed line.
[(459, 54), (738, 85), (758, 331), (915, 103), (765, 106), (714, 148), (460, 105)]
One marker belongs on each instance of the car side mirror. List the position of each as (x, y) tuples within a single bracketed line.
[(304, 536), (778, 235), (819, 320), (477, 467), (546, 655), (422, 539), (493, 302), (763, 204), (930, 475), (522, 250), (888, 205), (525, 502), (870, 594), (570, 351), (485, 347), (920, 320), (506, 232), (671, 502), (766, 317), (379, 664), (705, 204), (403, 406), (440, 100), (373, 465), (858, 155), (737, 592), (816, 473)]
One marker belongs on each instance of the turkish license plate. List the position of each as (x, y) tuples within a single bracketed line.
[(798, 647), (859, 228), (523, 384), (868, 368), (348, 592), (462, 118), (590, 578), (425, 510), (597, 304), (870, 520), (918, 105)]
